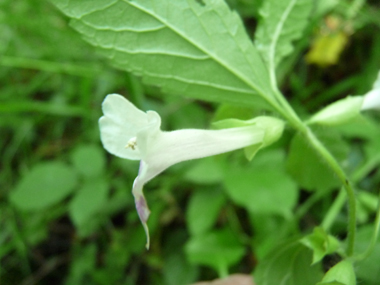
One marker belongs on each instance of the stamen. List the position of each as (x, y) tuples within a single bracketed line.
[(132, 143)]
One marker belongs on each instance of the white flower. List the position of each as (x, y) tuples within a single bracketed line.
[(130, 133), (372, 98)]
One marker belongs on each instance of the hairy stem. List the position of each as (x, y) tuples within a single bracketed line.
[(294, 120), (330, 160)]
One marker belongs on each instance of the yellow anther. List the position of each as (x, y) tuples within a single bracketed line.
[(132, 143)]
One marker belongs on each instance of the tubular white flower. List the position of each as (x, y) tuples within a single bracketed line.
[(371, 100), (130, 133)]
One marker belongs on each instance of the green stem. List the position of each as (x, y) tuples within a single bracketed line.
[(326, 155), (334, 210), (222, 271), (374, 235), (294, 120)]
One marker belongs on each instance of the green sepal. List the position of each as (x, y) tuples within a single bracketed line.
[(320, 243), (273, 128)]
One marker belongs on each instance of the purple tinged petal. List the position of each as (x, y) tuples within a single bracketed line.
[(140, 202)]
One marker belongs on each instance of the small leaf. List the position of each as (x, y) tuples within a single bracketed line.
[(288, 263), (43, 186), (264, 226), (178, 270), (88, 160), (206, 171), (320, 243), (324, 6), (88, 200), (227, 111), (340, 274), (281, 23), (203, 210), (218, 249), (366, 206), (368, 269), (188, 49), (262, 189)]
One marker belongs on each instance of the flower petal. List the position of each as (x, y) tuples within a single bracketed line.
[(173, 147), (168, 148), (372, 100), (120, 123), (140, 201), (147, 136)]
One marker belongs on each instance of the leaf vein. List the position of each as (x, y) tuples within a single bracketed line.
[(192, 42)]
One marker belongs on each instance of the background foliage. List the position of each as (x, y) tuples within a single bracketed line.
[(67, 214)]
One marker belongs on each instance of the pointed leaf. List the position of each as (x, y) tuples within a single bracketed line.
[(340, 274), (263, 188), (288, 263), (282, 22), (217, 249), (88, 201), (88, 160), (203, 210), (187, 48), (44, 185), (368, 269), (320, 243)]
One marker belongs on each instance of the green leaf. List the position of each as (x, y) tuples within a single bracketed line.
[(262, 189), (320, 243), (88, 201), (203, 210), (307, 167), (340, 274), (83, 263), (288, 264), (228, 111), (43, 186), (178, 270), (208, 170), (282, 22), (323, 7), (360, 127), (368, 269), (88, 160), (217, 249), (366, 206), (265, 228), (186, 48)]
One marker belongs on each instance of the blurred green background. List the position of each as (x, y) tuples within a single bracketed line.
[(66, 211)]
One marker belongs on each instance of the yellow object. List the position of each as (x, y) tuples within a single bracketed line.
[(327, 49)]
